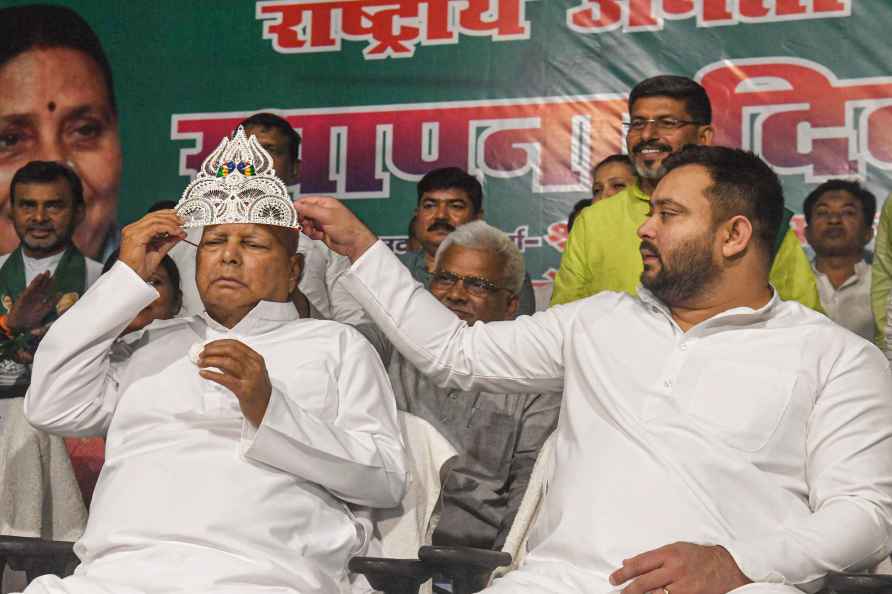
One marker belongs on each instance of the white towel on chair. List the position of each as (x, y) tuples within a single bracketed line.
[(39, 495), (404, 529)]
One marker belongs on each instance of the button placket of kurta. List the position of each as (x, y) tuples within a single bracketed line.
[(218, 400), (661, 400)]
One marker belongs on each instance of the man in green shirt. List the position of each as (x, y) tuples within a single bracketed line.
[(602, 254)]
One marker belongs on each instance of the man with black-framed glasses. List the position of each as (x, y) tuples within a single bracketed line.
[(478, 273), (666, 113)]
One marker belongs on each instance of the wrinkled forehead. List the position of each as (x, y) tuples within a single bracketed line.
[(69, 76), (284, 236), (467, 261)]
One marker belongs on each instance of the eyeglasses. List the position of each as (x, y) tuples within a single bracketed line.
[(664, 124), (474, 285)]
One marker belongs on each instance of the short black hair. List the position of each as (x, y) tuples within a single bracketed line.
[(44, 172), (676, 87), (169, 265), (868, 200), (271, 120), (23, 28), (449, 178), (577, 210), (162, 205), (617, 158), (742, 184)]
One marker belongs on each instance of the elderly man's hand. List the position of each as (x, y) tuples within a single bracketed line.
[(33, 304), (327, 219), (680, 568), (145, 242), (243, 372)]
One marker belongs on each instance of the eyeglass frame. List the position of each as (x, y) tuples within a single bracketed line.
[(643, 122), (489, 286)]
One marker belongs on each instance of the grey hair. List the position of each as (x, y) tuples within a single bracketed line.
[(478, 235)]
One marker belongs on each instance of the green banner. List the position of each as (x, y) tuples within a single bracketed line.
[(526, 94)]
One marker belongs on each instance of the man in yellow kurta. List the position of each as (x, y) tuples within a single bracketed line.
[(881, 276), (666, 114)]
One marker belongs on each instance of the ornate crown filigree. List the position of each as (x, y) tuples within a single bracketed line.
[(237, 184)]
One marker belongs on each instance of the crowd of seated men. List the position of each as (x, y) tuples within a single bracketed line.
[(720, 405)]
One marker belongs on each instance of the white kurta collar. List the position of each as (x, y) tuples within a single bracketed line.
[(862, 268), (265, 315), (728, 318)]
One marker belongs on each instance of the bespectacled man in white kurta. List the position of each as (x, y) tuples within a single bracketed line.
[(713, 437), (235, 439)]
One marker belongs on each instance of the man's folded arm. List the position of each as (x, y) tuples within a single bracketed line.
[(73, 387), (849, 472), (359, 457), (524, 355)]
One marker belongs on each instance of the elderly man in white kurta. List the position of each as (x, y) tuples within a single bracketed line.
[(235, 438), (713, 436)]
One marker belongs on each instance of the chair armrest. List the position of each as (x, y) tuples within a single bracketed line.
[(37, 556), (858, 583), (34, 547), (464, 557), (468, 568), (391, 576)]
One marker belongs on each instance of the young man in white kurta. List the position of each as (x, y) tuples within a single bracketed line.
[(194, 497), (763, 432)]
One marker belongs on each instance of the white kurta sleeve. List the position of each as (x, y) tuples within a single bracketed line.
[(849, 473), (358, 456), (73, 384), (344, 308), (521, 356)]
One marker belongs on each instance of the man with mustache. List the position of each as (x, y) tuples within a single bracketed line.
[(666, 114), (478, 273), (46, 273), (839, 214), (448, 198), (713, 436)]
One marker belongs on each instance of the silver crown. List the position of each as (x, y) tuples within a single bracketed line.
[(237, 184)]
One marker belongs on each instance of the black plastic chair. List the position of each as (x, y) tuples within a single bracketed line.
[(36, 556), (470, 570), (857, 583), (392, 576), (467, 568)]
